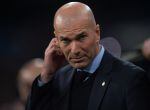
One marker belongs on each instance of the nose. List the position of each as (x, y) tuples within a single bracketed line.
[(75, 48)]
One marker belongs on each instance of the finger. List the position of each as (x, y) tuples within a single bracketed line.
[(53, 46), (54, 50), (58, 51), (53, 43), (55, 40)]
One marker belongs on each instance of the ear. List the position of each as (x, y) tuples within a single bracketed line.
[(97, 33), (56, 36), (55, 33)]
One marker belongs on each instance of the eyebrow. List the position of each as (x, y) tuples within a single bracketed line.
[(76, 37), (63, 38), (80, 35)]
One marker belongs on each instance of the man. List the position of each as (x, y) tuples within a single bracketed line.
[(26, 75), (146, 54), (146, 49), (93, 79), (144, 57)]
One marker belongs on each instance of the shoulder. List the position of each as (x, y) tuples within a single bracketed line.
[(127, 73), (64, 70), (125, 66), (119, 66)]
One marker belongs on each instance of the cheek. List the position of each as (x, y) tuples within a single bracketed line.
[(90, 45), (91, 48), (65, 52)]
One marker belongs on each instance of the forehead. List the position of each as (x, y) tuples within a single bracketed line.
[(70, 25), (72, 30), (72, 33)]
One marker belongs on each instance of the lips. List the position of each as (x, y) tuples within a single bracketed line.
[(77, 59)]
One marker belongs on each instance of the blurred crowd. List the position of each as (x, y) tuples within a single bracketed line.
[(144, 62), (26, 75)]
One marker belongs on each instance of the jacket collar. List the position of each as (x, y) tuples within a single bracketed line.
[(101, 82)]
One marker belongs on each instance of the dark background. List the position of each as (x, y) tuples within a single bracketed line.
[(26, 28)]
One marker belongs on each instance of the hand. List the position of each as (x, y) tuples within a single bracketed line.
[(53, 60)]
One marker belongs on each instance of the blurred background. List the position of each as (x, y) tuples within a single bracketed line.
[(26, 28)]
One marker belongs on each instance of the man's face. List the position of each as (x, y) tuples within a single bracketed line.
[(80, 44)]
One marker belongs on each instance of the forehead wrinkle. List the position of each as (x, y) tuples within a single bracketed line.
[(70, 32), (73, 36), (71, 23)]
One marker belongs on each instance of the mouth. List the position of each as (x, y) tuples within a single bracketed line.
[(77, 59)]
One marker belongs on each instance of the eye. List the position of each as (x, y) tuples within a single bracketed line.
[(65, 41), (81, 37)]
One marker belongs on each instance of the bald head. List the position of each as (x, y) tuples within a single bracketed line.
[(73, 14), (77, 33)]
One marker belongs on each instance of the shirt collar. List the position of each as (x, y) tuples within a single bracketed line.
[(95, 63)]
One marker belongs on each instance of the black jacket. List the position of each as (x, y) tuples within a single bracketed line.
[(119, 85)]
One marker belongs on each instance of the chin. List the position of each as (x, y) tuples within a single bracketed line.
[(79, 65)]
